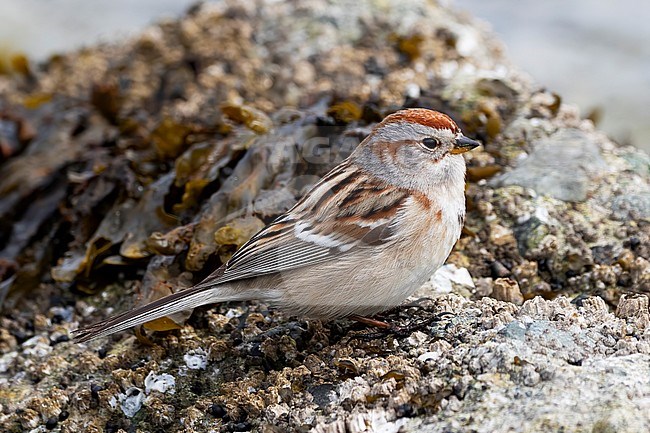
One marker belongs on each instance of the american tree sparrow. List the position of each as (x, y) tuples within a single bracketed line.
[(362, 240)]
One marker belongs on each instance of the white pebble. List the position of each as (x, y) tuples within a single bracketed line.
[(196, 359), (159, 382), (130, 401)]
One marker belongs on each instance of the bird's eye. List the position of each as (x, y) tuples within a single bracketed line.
[(430, 142)]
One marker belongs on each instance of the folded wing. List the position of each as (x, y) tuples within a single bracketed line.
[(345, 210)]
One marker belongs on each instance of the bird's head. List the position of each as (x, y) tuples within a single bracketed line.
[(418, 147)]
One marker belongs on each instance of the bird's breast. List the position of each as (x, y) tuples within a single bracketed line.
[(431, 228)]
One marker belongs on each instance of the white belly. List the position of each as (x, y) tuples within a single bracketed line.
[(369, 280)]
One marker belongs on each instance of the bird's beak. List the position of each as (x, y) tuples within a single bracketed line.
[(463, 144)]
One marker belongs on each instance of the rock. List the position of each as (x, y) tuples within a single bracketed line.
[(446, 279), (632, 206), (29, 419), (499, 270), (500, 235), (506, 289), (618, 412), (555, 211), (640, 272), (536, 231), (634, 308), (323, 394), (566, 166), (484, 287)]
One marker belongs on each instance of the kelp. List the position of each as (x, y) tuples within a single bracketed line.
[(254, 119), (200, 166), (169, 137), (232, 236), (474, 174), (126, 227), (15, 134)]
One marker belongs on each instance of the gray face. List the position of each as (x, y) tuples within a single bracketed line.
[(431, 142), (412, 155), (438, 143)]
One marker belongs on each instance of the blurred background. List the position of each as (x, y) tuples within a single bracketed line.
[(594, 53)]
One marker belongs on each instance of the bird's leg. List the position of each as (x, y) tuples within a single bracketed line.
[(399, 331), (370, 321), (384, 325)]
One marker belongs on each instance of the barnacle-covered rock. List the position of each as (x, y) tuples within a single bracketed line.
[(133, 170)]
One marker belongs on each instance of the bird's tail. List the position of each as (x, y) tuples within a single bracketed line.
[(174, 303)]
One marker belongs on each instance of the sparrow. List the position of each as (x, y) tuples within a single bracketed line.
[(363, 239)]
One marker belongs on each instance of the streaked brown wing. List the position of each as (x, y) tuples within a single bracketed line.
[(343, 211)]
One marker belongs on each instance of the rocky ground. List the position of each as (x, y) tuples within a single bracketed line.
[(132, 170)]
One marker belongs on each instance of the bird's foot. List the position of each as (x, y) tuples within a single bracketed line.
[(370, 321), (385, 328)]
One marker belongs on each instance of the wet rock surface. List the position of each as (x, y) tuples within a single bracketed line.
[(130, 171)]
